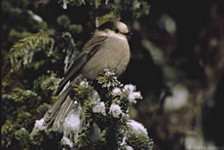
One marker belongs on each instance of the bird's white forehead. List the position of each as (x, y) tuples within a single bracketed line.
[(122, 27)]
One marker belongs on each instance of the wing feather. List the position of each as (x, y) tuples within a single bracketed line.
[(89, 49)]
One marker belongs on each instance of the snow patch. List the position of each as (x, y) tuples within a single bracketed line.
[(71, 126), (136, 126), (39, 125), (116, 91), (99, 108), (115, 110)]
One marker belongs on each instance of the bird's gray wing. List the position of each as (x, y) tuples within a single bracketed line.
[(89, 49)]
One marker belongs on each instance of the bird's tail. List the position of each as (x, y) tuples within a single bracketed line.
[(56, 115)]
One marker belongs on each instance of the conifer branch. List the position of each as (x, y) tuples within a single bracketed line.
[(21, 53)]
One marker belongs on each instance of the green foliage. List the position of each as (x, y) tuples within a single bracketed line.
[(36, 138), (143, 141), (105, 122), (7, 133), (22, 135), (21, 54), (75, 28), (15, 35), (64, 3), (46, 83), (83, 92), (108, 80), (138, 136), (111, 16), (21, 96), (135, 7), (24, 119), (8, 8), (42, 109), (85, 133), (34, 64), (63, 21), (106, 10), (21, 108)]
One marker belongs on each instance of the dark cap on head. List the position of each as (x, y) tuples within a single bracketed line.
[(118, 27), (108, 25)]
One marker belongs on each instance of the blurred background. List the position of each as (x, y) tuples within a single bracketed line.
[(177, 63)]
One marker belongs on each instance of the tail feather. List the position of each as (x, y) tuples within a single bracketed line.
[(62, 113), (56, 115), (59, 108)]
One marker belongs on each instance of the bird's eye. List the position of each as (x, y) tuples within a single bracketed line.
[(116, 30)]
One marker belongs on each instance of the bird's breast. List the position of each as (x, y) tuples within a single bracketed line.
[(114, 55)]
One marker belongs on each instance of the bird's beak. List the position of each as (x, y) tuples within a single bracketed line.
[(128, 33)]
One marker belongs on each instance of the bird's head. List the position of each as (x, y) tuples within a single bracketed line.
[(118, 27)]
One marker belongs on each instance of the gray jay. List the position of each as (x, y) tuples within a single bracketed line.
[(107, 49)]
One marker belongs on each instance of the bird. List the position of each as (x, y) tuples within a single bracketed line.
[(108, 48)]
